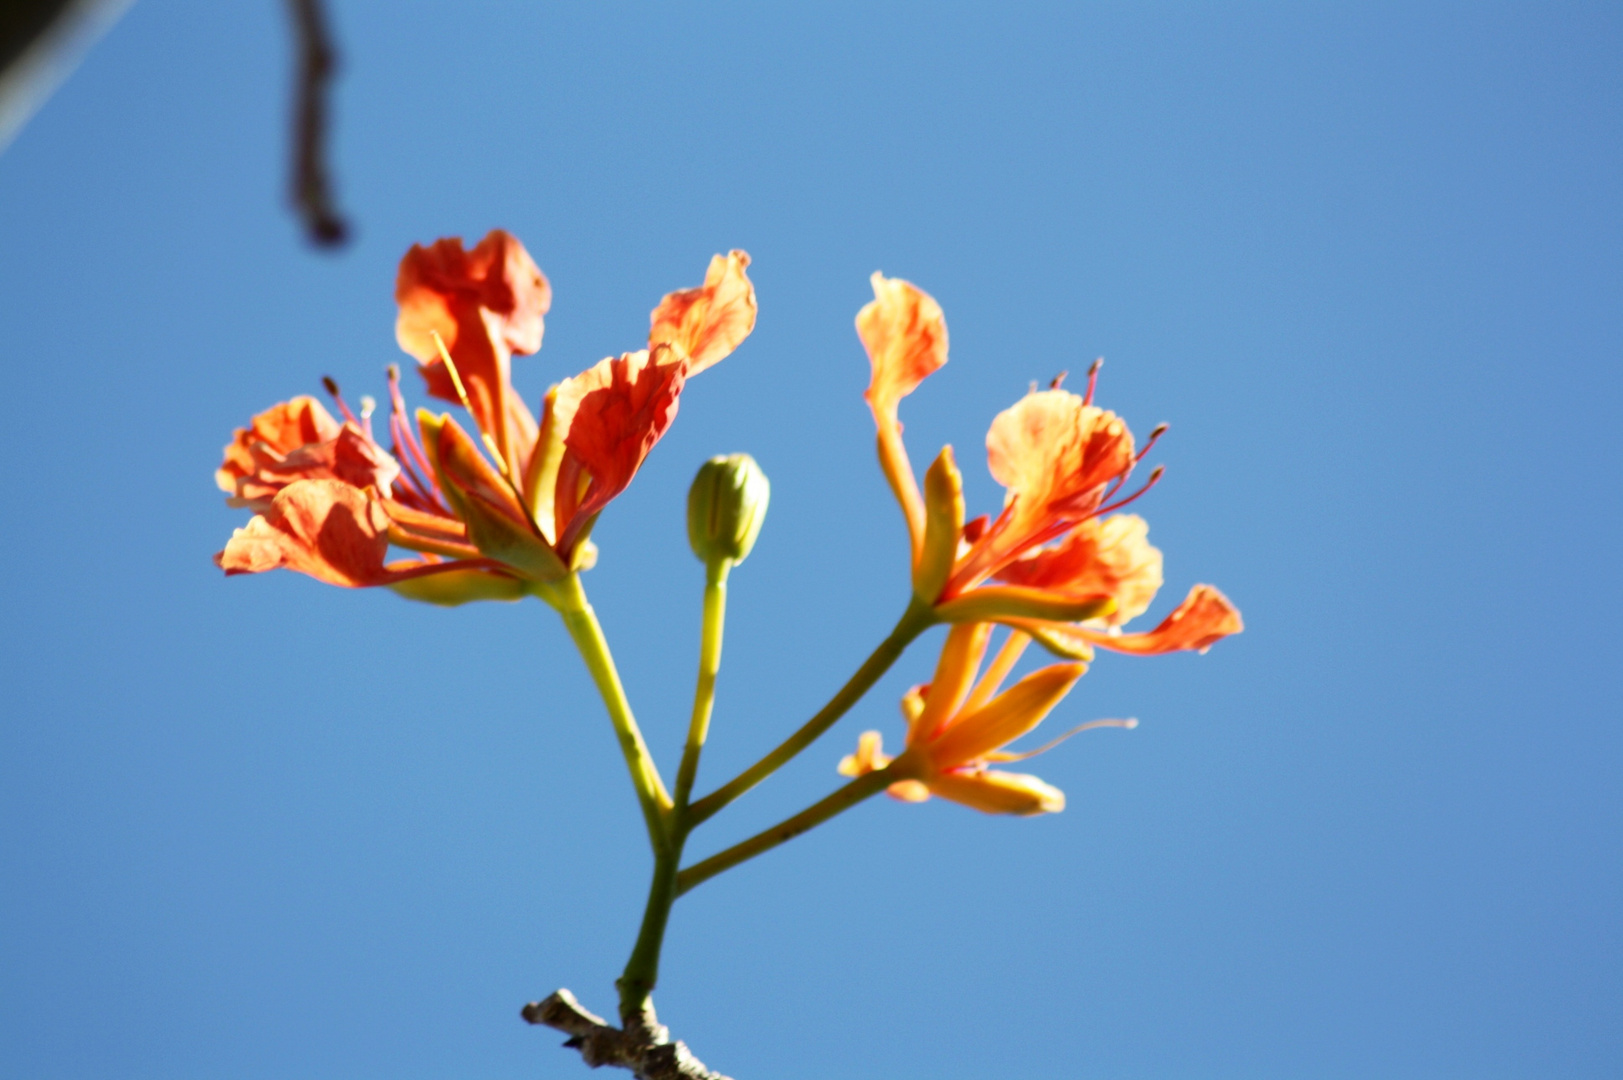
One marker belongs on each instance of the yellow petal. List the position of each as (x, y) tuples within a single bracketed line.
[(993, 792), (1003, 719), (954, 675), (943, 525)]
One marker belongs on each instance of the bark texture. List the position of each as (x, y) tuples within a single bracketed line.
[(644, 1047)]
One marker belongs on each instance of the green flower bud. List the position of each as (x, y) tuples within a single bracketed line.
[(726, 506)]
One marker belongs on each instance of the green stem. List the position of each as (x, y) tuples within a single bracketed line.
[(636, 984), (811, 817), (914, 621), (569, 598), (704, 690)]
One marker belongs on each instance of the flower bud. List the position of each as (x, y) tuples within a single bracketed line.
[(726, 506)]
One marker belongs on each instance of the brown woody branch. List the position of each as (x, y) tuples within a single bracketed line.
[(311, 187), (644, 1046)]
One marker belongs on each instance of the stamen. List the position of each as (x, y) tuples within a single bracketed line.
[(462, 395), (369, 405), (1093, 380), (1058, 380), (1155, 478), (331, 386), (1155, 437), (1129, 724)]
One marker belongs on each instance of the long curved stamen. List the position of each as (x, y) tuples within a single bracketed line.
[(329, 384), (462, 395), (1155, 478), (1129, 724)]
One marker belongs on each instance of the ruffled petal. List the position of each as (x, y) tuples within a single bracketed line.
[(270, 436), (611, 415), (707, 323), (1204, 618), (1110, 557), (331, 530), (485, 304), (905, 334)]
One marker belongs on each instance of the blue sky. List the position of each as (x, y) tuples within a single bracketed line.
[(1366, 261)]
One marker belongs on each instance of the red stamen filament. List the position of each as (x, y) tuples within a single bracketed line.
[(1093, 380), (1155, 478)]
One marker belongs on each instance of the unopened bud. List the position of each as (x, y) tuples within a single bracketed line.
[(726, 506)]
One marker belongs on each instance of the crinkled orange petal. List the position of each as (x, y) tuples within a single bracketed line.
[(905, 334), (1112, 557), (1055, 455), (485, 304), (282, 428), (611, 415), (1205, 617), (707, 323), (1009, 715), (995, 792), (331, 530)]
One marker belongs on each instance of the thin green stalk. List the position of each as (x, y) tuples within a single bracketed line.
[(914, 621), (569, 598), (704, 690), (811, 817)]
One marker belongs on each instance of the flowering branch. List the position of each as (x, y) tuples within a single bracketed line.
[(644, 1045)]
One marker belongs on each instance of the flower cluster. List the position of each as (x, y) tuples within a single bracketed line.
[(493, 517), (1055, 565)]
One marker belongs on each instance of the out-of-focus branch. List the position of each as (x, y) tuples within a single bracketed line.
[(644, 1047), (40, 42), (311, 186)]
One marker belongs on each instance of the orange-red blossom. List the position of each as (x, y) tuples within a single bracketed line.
[(958, 725), (487, 518), (1051, 564)]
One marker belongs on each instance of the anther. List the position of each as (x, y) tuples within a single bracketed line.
[(1059, 380), (1155, 436), (1093, 379), (329, 385)]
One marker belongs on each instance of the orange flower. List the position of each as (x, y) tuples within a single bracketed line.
[(1062, 461), (492, 526), (485, 305), (958, 725)]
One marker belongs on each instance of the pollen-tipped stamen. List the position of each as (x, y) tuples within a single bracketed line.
[(1155, 478), (1149, 444), (329, 384), (1093, 379), (1005, 756)]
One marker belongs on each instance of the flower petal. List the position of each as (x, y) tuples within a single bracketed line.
[(331, 530), (1112, 557), (611, 415), (870, 756), (1205, 617), (905, 334), (280, 429), (707, 323), (485, 304), (995, 792), (954, 675), (1003, 719)]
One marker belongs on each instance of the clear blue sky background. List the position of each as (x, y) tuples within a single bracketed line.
[(1365, 259)]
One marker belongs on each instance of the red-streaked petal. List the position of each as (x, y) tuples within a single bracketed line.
[(331, 530), (1204, 618), (1110, 557), (704, 324), (282, 428), (611, 415)]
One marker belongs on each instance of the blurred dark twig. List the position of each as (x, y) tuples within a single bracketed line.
[(311, 185)]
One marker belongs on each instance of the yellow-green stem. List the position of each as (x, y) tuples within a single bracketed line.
[(569, 598), (811, 817), (704, 689), (914, 621)]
